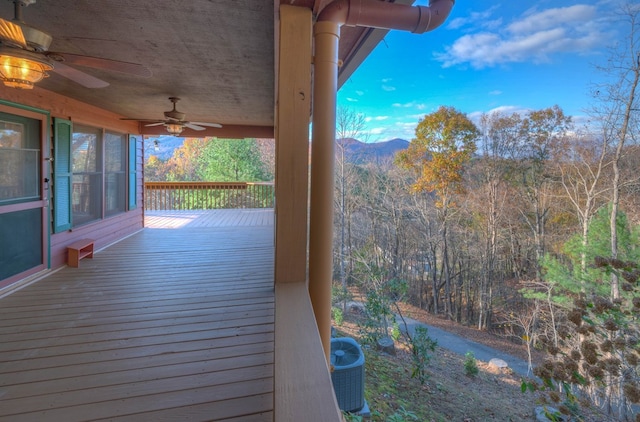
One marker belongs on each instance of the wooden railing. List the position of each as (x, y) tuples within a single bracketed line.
[(169, 196)]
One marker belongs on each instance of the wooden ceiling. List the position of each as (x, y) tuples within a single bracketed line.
[(216, 55)]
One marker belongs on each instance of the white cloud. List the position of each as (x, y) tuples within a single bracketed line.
[(481, 19), (351, 100), (505, 110), (535, 36), (376, 118), (388, 88), (552, 18), (377, 130), (495, 92), (405, 105), (360, 93), (509, 109)]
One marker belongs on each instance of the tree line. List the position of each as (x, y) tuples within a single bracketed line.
[(523, 223), (215, 160)]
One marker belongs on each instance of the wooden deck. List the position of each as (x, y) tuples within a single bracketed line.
[(166, 325), (209, 218)]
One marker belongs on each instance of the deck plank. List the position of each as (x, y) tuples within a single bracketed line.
[(173, 323)]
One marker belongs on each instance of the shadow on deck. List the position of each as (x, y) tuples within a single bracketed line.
[(164, 325)]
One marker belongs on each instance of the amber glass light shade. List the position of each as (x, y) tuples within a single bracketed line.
[(19, 72), (174, 129)]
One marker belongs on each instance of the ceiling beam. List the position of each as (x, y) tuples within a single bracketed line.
[(227, 132)]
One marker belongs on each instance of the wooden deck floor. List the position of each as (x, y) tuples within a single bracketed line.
[(209, 218), (166, 325)]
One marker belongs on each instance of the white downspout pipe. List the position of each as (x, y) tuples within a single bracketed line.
[(365, 13)]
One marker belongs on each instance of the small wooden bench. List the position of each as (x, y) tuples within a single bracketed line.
[(79, 249)]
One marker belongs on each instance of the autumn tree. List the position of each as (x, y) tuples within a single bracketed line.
[(444, 143), (154, 169), (540, 135), (185, 165), (267, 151)]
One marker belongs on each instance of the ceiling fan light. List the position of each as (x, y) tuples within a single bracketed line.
[(19, 72), (174, 129)]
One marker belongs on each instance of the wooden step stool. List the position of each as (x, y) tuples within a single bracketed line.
[(79, 249)]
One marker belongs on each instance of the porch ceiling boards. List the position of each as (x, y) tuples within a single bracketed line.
[(168, 324), (217, 55)]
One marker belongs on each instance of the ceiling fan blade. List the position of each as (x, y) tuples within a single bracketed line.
[(190, 125), (78, 76), (12, 33), (207, 124), (154, 124), (99, 63)]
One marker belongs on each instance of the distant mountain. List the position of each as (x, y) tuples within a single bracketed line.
[(162, 146), (355, 151), (377, 152)]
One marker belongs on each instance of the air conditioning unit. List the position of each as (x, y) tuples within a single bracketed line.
[(347, 360)]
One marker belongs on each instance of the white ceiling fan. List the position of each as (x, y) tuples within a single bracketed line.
[(174, 121), (25, 58)]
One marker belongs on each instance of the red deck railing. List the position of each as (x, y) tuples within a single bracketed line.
[(170, 196)]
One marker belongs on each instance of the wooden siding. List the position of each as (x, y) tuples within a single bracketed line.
[(104, 232), (167, 324)]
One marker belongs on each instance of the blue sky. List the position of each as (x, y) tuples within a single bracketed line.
[(511, 56)]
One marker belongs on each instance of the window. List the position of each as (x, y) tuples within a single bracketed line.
[(94, 172), (115, 173), (86, 194), (19, 159)]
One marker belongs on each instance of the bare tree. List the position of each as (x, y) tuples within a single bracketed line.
[(617, 111), (500, 136), (349, 126), (581, 166)]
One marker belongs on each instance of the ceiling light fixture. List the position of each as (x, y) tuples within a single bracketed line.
[(22, 69), (174, 129)]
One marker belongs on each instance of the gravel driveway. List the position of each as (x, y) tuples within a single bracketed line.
[(461, 345)]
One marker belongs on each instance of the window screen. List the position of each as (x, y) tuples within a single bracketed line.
[(86, 153), (115, 173)]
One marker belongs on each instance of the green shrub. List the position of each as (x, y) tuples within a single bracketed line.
[(395, 331), (350, 417), (470, 364), (421, 347), (402, 415), (337, 315)]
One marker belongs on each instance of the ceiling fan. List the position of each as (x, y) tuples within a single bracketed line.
[(175, 122), (25, 58)]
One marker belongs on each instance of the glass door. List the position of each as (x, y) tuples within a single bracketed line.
[(22, 203)]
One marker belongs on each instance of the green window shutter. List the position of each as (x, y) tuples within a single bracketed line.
[(133, 171), (62, 174)]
